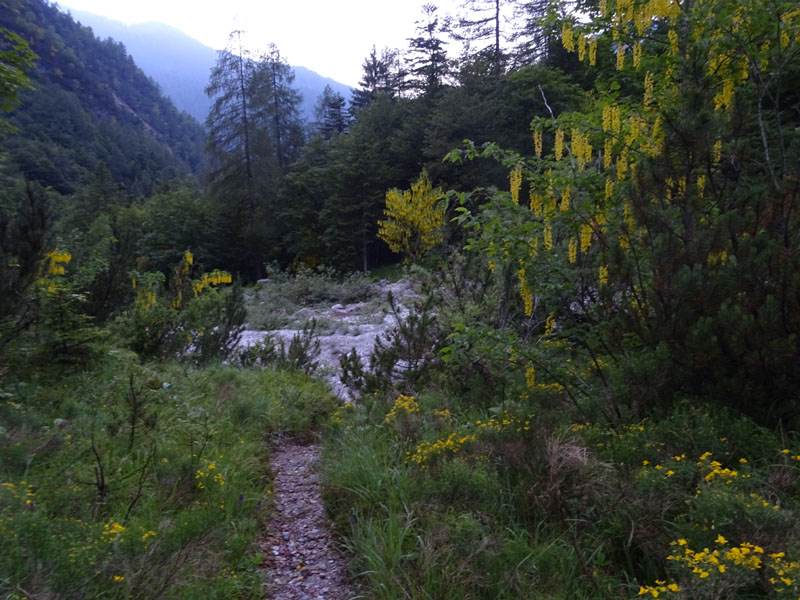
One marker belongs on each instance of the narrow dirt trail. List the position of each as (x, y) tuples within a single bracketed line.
[(300, 560)]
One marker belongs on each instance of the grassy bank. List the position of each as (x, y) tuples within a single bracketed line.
[(141, 480), (436, 496)]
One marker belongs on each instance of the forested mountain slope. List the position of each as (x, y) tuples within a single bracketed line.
[(180, 64), (92, 103)]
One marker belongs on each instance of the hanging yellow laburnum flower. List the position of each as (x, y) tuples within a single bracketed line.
[(525, 292), (550, 324), (602, 275), (567, 37), (516, 184), (537, 142), (214, 278), (548, 237), (586, 236), (530, 377), (565, 194), (536, 203), (559, 146)]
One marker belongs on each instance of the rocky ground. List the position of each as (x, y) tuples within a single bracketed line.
[(358, 326), (301, 559)]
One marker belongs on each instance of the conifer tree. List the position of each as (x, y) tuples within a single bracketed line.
[(254, 134), (428, 59), (276, 104), (481, 29), (380, 77), (330, 113)]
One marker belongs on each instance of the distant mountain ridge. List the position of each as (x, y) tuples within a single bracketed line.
[(181, 64)]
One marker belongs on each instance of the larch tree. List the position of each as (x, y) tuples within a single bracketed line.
[(481, 29), (278, 106)]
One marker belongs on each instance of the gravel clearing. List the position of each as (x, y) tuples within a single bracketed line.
[(361, 325)]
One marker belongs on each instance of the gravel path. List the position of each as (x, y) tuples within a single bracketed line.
[(301, 562)]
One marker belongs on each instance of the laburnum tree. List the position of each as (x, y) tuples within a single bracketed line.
[(414, 219), (660, 238)]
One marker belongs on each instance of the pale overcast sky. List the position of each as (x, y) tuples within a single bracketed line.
[(331, 37)]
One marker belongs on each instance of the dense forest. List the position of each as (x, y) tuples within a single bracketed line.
[(594, 394)]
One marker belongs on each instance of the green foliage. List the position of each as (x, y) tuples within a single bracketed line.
[(17, 59), (190, 318), (254, 133), (25, 237), (402, 360), (275, 303), (651, 253)]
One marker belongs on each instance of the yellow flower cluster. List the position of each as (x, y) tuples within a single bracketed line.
[(559, 147), (145, 299), (661, 587), (414, 219), (444, 414), (716, 472), (402, 403), (565, 196), (612, 121), (211, 472), (602, 275), (58, 258), (548, 237), (706, 562), (505, 422), (338, 414), (525, 292), (567, 37), (110, 531), (717, 565), (428, 450), (516, 184), (537, 142), (586, 236), (214, 278), (147, 534), (581, 148)]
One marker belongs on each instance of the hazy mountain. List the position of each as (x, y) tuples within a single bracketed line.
[(180, 64), (91, 103)]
